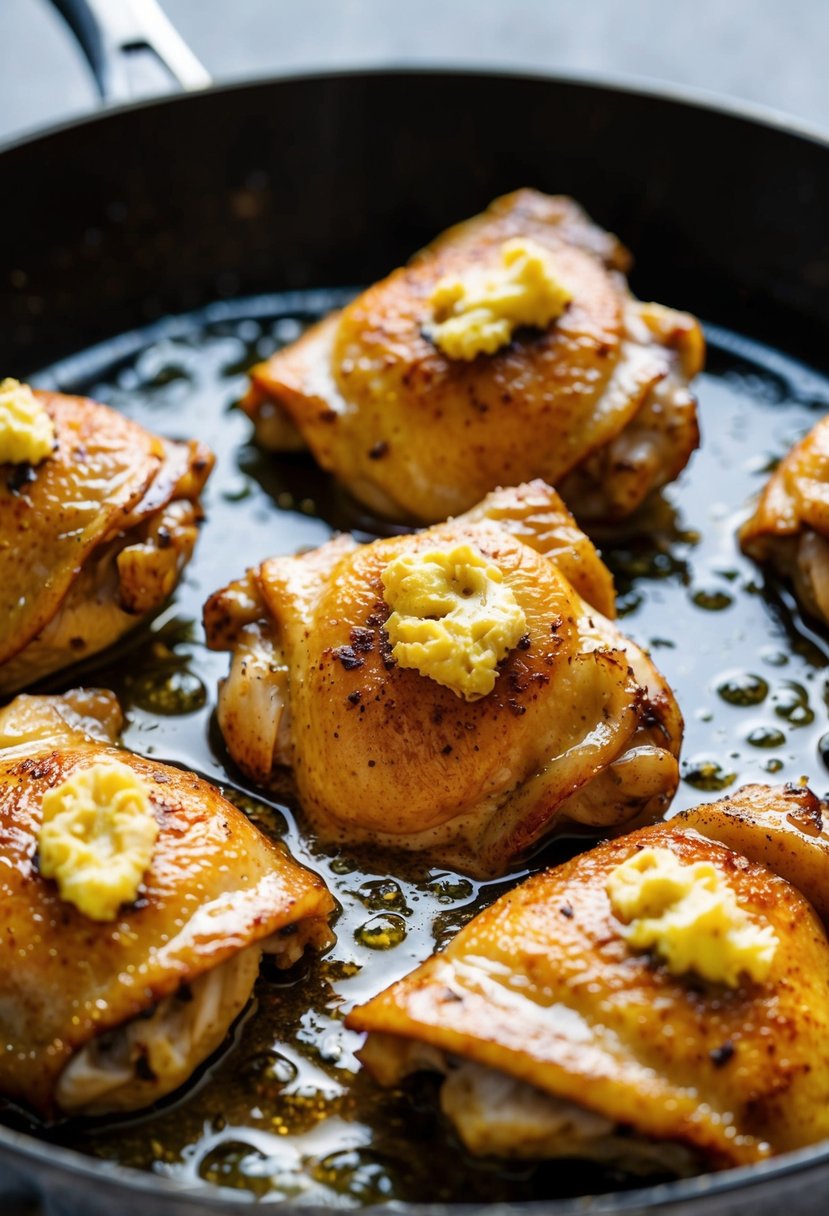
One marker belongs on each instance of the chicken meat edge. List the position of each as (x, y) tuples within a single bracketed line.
[(149, 1057), (128, 578), (496, 1115)]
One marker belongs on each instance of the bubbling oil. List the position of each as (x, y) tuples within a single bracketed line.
[(284, 1111)]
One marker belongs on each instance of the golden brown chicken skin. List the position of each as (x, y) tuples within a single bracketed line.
[(598, 403), (93, 539), (102, 1016), (557, 1039), (579, 729), (789, 528)]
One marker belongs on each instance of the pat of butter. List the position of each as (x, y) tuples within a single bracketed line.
[(97, 838), (478, 313), (689, 916), (453, 618), (27, 435)]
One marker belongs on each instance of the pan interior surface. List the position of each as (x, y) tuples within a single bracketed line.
[(284, 1112), (157, 210)]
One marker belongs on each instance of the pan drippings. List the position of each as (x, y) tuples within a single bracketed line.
[(285, 1110)]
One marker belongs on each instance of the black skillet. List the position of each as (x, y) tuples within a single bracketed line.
[(160, 208)]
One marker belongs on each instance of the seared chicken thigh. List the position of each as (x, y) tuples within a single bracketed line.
[(559, 1037), (789, 528), (579, 728), (99, 1016), (596, 402), (93, 538)]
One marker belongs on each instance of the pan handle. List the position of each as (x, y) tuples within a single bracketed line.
[(127, 43)]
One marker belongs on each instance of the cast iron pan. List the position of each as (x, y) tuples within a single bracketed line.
[(159, 208)]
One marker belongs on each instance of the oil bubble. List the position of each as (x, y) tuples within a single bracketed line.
[(269, 1072), (712, 599), (708, 775), (742, 688), (450, 890), (355, 1173), (791, 702), (382, 932), (236, 1164), (766, 736), (383, 895), (342, 865)]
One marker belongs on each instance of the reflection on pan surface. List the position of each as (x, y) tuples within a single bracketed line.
[(284, 1110)]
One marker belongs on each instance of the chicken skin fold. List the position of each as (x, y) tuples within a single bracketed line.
[(789, 528), (93, 539), (580, 728), (558, 1039), (597, 402), (111, 1016)]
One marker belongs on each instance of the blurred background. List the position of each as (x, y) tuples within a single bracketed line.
[(759, 51)]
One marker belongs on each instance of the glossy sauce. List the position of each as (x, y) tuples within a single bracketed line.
[(284, 1111)]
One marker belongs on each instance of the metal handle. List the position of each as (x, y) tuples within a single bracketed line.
[(131, 47)]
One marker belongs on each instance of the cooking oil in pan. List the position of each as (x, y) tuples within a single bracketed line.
[(285, 1111)]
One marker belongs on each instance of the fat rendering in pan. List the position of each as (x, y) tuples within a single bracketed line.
[(110, 1013), (553, 370), (659, 1002), (496, 703)]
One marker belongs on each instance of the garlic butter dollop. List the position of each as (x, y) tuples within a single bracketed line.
[(453, 618), (97, 838), (27, 435), (689, 916), (478, 312)]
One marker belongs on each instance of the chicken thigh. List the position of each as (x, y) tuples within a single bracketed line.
[(578, 729), (789, 528), (558, 1037), (596, 402), (100, 1016), (93, 538)]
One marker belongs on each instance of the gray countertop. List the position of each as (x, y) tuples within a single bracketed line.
[(760, 51)]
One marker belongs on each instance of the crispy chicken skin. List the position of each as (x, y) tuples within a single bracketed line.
[(95, 1016), (789, 528), (598, 404), (599, 1049), (93, 539), (580, 728), (783, 830)]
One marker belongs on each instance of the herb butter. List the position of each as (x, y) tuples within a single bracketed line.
[(477, 313), (97, 838), (689, 916), (453, 618), (27, 435)]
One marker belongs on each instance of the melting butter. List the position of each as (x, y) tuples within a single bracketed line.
[(97, 838), (477, 313), (453, 618), (689, 916), (27, 435)]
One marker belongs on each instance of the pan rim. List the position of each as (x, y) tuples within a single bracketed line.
[(85, 1169), (17, 1147), (709, 100)]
